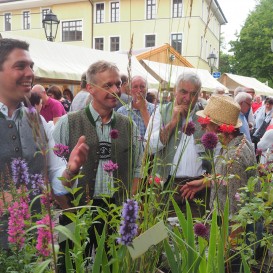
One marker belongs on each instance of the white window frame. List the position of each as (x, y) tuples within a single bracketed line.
[(23, 19), (94, 42), (177, 33), (145, 35), (172, 6), (72, 20), (110, 12), (95, 11), (114, 36), (146, 10), (4, 23)]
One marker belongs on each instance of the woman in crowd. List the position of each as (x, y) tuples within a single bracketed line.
[(67, 93), (55, 92), (221, 116)]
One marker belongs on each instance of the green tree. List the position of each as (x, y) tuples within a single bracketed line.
[(226, 63), (252, 51)]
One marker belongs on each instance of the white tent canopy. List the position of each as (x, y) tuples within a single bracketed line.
[(66, 62), (232, 81), (167, 73)]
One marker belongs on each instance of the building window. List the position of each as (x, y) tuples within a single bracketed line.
[(26, 20), (114, 44), (177, 8), (72, 31), (44, 12), (99, 43), (7, 21), (176, 42), (99, 13), (151, 9), (149, 40), (114, 11)]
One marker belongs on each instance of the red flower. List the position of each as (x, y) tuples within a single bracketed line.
[(225, 128), (156, 180), (204, 121)]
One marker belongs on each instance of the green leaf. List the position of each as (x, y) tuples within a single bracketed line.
[(170, 257), (42, 266), (66, 232), (99, 253), (68, 261)]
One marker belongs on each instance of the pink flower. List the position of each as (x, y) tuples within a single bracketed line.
[(61, 150), (259, 152), (204, 121), (44, 237), (110, 166), (156, 180), (225, 128), (16, 224), (114, 133)]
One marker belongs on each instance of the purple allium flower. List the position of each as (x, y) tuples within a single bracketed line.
[(110, 166), (114, 133), (209, 140), (201, 230), (61, 150), (237, 197), (189, 128), (37, 183), (19, 170), (128, 228)]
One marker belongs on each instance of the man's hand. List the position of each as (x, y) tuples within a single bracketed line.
[(140, 102), (178, 111), (78, 155), (189, 190)]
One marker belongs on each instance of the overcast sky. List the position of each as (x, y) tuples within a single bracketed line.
[(236, 12)]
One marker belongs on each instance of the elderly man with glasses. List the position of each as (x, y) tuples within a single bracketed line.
[(170, 137)]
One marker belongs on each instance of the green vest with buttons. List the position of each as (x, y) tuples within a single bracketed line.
[(164, 158), (80, 123)]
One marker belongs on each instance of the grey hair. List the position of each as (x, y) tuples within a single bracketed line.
[(99, 67), (242, 96), (238, 90), (135, 77), (219, 90), (189, 77)]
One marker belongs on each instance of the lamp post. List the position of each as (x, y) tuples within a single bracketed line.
[(212, 61), (50, 25)]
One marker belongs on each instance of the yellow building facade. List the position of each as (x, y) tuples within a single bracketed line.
[(192, 27)]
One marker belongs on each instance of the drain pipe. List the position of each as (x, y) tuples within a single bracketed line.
[(92, 25)]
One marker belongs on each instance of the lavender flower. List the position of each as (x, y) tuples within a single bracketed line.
[(19, 171), (37, 183), (114, 133), (189, 128), (201, 230), (128, 228), (209, 140), (61, 150), (110, 166)]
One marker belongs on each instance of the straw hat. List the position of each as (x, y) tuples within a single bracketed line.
[(222, 110)]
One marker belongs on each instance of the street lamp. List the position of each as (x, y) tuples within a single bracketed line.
[(212, 61), (50, 25)]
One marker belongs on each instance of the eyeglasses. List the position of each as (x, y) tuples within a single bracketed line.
[(249, 104), (109, 85)]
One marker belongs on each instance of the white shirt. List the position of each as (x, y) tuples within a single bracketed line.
[(186, 160)]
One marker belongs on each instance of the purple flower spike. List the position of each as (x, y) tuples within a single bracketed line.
[(114, 133), (110, 166), (128, 228), (209, 140), (61, 150), (37, 183), (31, 110), (189, 128), (19, 171), (201, 230)]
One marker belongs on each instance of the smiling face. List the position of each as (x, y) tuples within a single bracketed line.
[(16, 77)]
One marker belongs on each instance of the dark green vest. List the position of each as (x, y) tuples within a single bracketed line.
[(121, 153)]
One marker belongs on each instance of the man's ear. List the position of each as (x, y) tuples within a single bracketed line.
[(90, 88)]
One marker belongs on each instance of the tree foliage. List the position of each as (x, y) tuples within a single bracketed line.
[(252, 49)]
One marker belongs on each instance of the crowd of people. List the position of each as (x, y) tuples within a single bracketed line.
[(111, 120)]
